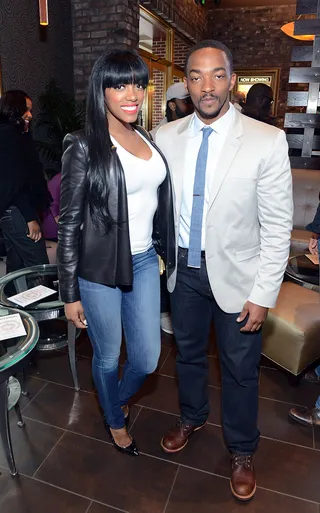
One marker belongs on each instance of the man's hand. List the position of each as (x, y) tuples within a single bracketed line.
[(256, 316), (313, 244), (34, 231)]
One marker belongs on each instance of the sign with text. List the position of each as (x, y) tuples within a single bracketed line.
[(248, 77)]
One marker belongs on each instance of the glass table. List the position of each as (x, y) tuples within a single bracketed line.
[(14, 355), (55, 331), (302, 271)]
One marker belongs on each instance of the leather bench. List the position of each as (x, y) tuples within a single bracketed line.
[(291, 333)]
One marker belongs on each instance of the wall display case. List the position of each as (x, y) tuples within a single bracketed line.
[(269, 76)]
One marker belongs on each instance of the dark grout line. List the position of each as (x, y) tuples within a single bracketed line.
[(302, 499), (71, 492), (36, 395), (63, 385), (49, 453), (134, 420), (34, 477), (164, 361), (160, 411), (110, 506), (166, 413), (171, 490), (90, 504)]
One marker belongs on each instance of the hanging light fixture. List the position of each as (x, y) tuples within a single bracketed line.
[(43, 12), (288, 29)]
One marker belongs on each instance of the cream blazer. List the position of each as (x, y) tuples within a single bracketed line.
[(249, 218)]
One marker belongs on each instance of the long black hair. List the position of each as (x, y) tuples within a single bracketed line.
[(12, 107), (117, 67)]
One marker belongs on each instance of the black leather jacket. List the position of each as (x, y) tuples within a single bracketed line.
[(82, 250)]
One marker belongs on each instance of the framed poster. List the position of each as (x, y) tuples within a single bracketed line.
[(269, 76)]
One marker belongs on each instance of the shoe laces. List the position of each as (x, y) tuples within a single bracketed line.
[(183, 425), (244, 460)]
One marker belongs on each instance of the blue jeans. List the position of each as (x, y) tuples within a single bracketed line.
[(137, 311)]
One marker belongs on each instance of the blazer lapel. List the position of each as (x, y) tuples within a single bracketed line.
[(178, 161), (228, 154)]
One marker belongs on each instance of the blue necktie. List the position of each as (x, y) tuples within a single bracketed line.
[(194, 253)]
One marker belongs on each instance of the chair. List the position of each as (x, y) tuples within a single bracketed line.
[(290, 336)]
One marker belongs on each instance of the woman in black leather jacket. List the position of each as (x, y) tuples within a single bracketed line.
[(115, 213)]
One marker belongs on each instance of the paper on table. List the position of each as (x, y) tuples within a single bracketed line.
[(314, 258), (11, 326), (32, 295)]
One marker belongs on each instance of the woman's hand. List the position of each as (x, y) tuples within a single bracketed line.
[(34, 231), (313, 244), (75, 313)]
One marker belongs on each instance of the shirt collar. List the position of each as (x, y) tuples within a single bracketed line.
[(221, 126)]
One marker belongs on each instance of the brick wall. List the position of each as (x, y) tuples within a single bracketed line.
[(195, 15), (180, 50), (159, 48), (256, 41), (157, 96), (98, 25), (185, 15)]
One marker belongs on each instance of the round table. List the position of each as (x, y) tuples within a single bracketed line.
[(48, 312), (302, 271), (13, 355)]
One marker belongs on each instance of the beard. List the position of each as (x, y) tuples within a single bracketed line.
[(214, 114), (179, 113)]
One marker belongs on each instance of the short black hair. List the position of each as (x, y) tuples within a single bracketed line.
[(258, 90), (12, 107), (210, 43), (169, 111)]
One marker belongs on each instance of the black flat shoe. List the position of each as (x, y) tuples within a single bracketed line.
[(131, 449)]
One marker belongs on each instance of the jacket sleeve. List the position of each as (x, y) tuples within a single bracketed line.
[(275, 212), (314, 226), (72, 207), (22, 202)]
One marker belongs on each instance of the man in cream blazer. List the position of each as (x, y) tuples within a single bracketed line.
[(244, 234)]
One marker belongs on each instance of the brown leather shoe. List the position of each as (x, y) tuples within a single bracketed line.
[(311, 377), (177, 437), (243, 482), (305, 416)]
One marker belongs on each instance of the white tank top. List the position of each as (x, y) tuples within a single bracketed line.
[(143, 178)]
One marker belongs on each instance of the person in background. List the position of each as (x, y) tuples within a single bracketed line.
[(24, 193), (310, 416), (233, 211), (50, 218), (116, 211), (238, 100), (178, 106), (258, 104)]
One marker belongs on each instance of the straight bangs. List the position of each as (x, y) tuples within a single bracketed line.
[(125, 68)]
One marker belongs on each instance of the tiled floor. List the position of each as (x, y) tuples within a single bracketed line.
[(67, 464)]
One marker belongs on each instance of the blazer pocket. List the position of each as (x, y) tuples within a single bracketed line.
[(245, 254)]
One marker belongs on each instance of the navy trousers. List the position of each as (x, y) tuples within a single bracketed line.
[(193, 308)]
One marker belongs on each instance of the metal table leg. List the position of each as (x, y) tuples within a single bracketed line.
[(20, 422), (5, 428), (23, 382), (72, 353)]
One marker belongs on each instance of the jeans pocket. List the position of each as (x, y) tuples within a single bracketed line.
[(19, 222)]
